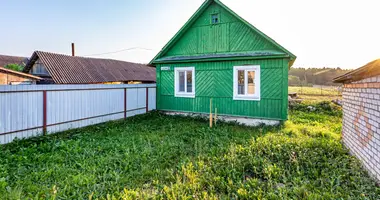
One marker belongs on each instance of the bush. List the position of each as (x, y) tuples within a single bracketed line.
[(324, 107), (294, 80), (14, 67)]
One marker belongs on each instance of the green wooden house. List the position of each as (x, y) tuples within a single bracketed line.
[(218, 55)]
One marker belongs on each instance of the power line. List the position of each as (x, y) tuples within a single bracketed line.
[(119, 51)]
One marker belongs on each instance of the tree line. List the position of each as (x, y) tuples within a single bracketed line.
[(315, 76)]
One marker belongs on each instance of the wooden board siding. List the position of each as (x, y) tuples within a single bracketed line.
[(213, 49), (215, 80), (7, 78), (230, 35)]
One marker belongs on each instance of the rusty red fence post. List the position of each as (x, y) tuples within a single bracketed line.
[(44, 114), (147, 99)]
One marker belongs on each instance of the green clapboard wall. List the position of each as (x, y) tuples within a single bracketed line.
[(214, 77), (215, 80)]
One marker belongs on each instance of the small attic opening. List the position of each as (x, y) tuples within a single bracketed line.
[(215, 18)]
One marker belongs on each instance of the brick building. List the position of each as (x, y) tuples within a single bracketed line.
[(11, 77), (361, 118)]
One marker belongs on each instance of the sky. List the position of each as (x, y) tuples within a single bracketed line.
[(323, 33)]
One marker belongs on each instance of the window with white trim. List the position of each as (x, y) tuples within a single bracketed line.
[(247, 82), (184, 80)]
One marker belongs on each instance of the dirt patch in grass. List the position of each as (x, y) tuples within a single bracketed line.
[(158, 156)]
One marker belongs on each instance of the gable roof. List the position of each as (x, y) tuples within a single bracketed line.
[(5, 60), (16, 73), (65, 69), (369, 70), (197, 14)]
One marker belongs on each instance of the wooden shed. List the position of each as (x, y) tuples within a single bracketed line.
[(11, 77), (218, 55)]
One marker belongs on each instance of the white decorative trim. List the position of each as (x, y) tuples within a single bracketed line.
[(176, 82), (246, 97)]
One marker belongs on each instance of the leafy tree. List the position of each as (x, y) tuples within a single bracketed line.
[(317, 76), (294, 80), (14, 67)]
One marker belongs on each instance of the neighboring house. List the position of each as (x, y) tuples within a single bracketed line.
[(63, 69), (218, 55), (361, 115), (11, 77), (5, 60)]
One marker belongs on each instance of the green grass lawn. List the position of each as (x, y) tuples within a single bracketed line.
[(158, 156), (313, 95), (326, 91), (312, 99)]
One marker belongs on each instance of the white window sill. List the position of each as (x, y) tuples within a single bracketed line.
[(246, 98), (185, 95)]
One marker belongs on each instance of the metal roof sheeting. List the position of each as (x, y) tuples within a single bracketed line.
[(369, 70), (5, 60), (66, 69)]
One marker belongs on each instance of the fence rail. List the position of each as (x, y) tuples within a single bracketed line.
[(32, 110), (316, 90)]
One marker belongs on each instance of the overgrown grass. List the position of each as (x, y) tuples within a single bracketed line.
[(157, 156), (312, 99), (325, 91)]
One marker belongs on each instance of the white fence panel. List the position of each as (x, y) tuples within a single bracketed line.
[(18, 112), (82, 104), (27, 111), (141, 97), (152, 99)]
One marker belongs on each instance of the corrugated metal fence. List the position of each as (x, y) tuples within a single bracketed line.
[(31, 110)]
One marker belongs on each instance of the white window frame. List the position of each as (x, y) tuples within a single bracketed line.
[(248, 97), (185, 94)]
